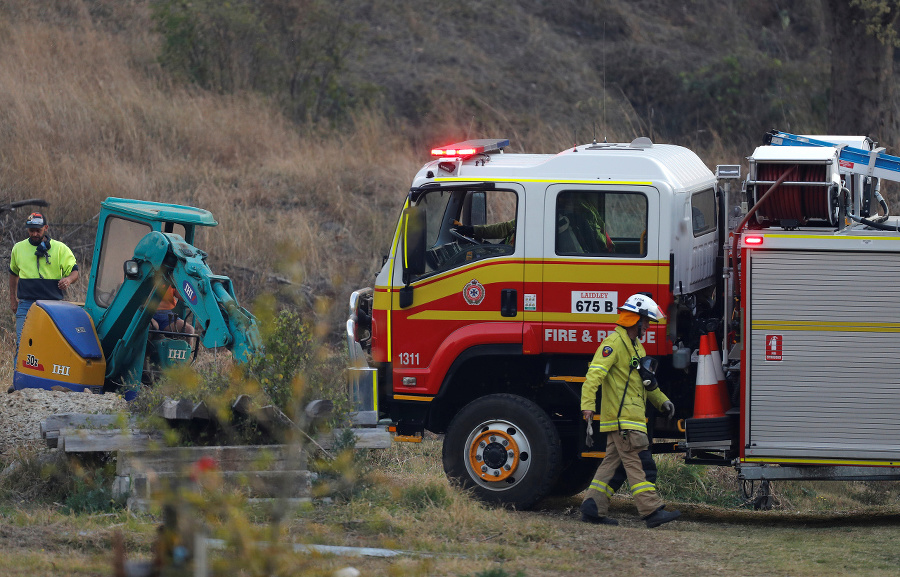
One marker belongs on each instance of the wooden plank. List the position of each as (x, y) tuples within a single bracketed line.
[(200, 411), (272, 421), (52, 438), (242, 404), (319, 409), (175, 410), (230, 458), (366, 438), (252, 483), (104, 441), (72, 420)]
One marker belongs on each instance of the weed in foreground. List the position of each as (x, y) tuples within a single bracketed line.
[(678, 481), (498, 573)]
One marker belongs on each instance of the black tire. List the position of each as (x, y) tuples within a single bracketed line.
[(575, 477), (515, 443)]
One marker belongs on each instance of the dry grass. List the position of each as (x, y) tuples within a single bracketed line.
[(406, 504)]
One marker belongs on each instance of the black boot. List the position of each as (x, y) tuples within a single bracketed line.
[(660, 516), (589, 514)]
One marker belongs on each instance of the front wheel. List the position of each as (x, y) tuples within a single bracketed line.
[(505, 448)]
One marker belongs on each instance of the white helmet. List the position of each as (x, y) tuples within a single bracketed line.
[(644, 306)]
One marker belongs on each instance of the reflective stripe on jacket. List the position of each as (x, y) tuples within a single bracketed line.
[(609, 370)]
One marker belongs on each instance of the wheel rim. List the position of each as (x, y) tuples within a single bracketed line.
[(498, 455)]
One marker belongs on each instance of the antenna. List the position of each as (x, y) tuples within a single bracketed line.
[(604, 80), (575, 139)]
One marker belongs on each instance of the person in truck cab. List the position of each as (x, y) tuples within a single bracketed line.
[(39, 269), (623, 397), (506, 231)]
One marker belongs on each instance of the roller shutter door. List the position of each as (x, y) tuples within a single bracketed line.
[(824, 356)]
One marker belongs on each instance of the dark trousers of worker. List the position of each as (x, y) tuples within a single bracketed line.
[(627, 456)]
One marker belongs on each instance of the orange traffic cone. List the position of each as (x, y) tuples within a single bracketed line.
[(720, 372), (707, 401)]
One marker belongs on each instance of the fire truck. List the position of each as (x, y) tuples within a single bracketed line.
[(505, 272)]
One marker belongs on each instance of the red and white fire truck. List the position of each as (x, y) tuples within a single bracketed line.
[(506, 270)]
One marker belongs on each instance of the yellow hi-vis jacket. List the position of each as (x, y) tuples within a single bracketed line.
[(610, 369), (39, 276)]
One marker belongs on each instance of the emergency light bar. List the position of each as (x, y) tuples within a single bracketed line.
[(471, 147)]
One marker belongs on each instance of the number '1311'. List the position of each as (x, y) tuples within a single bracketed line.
[(409, 358)]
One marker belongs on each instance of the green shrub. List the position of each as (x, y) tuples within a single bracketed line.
[(91, 498), (678, 481), (296, 368), (427, 496), (80, 484)]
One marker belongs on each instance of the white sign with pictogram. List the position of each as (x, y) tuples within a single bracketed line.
[(774, 347)]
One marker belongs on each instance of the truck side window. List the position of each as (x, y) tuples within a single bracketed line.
[(703, 212), (120, 237), (596, 223)]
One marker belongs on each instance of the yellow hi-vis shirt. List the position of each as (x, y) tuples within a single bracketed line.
[(39, 276), (609, 371)]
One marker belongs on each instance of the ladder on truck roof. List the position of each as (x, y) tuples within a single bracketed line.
[(852, 160)]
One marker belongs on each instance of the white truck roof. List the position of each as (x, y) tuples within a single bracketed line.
[(637, 161)]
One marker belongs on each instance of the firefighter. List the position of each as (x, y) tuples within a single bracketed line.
[(505, 231), (623, 397)]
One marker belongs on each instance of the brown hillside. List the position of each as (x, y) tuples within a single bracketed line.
[(87, 112)]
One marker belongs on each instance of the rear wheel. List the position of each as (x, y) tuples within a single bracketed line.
[(505, 448)]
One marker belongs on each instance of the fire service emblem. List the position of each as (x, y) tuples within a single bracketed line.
[(474, 292)]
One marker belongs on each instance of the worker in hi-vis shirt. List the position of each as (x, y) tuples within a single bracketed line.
[(39, 269)]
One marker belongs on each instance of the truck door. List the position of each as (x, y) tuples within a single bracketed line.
[(601, 245), (470, 293)]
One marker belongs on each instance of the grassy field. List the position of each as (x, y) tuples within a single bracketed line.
[(404, 503)]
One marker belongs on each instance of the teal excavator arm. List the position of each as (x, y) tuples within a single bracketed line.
[(162, 260)]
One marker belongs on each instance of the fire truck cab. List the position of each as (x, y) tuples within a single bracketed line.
[(504, 274)]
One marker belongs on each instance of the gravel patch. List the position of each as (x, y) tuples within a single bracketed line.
[(21, 412)]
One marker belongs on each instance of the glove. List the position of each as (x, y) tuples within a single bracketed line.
[(669, 408), (466, 230), (589, 439)]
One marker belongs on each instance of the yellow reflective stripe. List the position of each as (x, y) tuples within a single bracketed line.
[(643, 488), (602, 487), (603, 370), (405, 235), (547, 180), (821, 461), (632, 425)]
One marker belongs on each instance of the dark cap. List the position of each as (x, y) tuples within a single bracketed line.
[(35, 220)]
